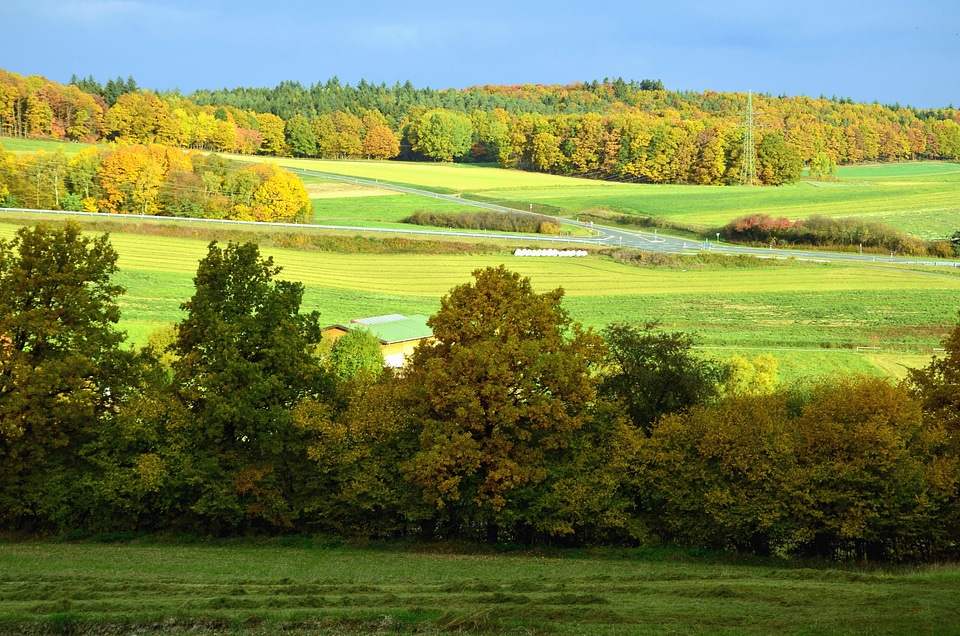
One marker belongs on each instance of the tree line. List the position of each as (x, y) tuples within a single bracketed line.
[(635, 131), (514, 425), (152, 180)]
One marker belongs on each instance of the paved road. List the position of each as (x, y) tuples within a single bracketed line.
[(646, 241)]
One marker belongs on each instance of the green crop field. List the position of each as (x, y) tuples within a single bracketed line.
[(152, 589), (812, 316)]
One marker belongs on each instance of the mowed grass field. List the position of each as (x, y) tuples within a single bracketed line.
[(812, 316), (922, 198), (154, 589)]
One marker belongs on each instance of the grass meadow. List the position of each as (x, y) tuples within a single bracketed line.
[(75, 588)]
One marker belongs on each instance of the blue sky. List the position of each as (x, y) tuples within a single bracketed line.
[(906, 52)]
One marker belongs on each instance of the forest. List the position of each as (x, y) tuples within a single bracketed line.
[(515, 425), (631, 131)]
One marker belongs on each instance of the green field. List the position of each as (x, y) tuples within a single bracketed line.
[(812, 316), (20, 146), (150, 589), (922, 199)]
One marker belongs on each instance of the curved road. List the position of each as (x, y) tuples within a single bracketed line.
[(646, 241)]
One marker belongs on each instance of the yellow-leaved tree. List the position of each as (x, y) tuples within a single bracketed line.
[(130, 177), (280, 197)]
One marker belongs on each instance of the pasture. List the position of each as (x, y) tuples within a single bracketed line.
[(812, 316), (302, 588)]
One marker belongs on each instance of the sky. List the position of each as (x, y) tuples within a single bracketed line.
[(888, 51)]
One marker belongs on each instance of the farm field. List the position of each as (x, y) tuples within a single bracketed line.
[(147, 589), (922, 199), (18, 145), (919, 198), (811, 316)]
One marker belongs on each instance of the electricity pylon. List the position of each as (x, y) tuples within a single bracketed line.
[(748, 165)]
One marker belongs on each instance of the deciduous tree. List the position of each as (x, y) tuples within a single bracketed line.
[(655, 372), (63, 371), (245, 361), (500, 393)]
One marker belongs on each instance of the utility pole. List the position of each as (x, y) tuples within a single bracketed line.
[(748, 167)]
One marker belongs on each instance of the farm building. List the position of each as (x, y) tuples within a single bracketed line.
[(398, 335)]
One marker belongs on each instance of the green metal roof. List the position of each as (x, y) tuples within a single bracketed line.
[(395, 328)]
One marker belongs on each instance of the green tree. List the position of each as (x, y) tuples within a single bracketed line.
[(245, 361), (63, 372), (822, 166), (300, 137), (356, 355), (654, 372), (442, 135), (777, 161), (498, 396)]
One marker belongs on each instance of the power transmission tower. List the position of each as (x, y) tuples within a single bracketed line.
[(748, 166)]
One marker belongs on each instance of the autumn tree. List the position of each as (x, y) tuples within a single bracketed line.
[(280, 196), (349, 139), (82, 171), (380, 143), (863, 475), (272, 135), (63, 370), (131, 176), (136, 118), (497, 397), (750, 377), (720, 475)]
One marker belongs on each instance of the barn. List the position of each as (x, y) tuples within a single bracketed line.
[(398, 335)]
